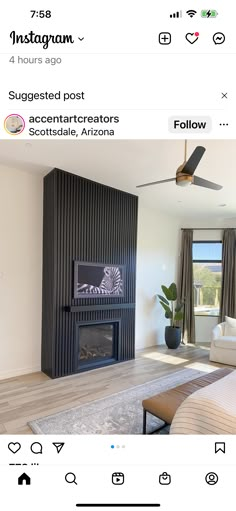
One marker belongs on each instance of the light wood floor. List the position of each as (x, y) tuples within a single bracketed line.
[(34, 395)]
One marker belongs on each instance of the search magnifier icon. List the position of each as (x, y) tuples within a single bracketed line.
[(70, 478)]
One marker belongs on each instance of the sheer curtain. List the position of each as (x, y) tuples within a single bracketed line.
[(185, 286), (228, 289)]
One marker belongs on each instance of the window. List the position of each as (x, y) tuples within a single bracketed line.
[(207, 277)]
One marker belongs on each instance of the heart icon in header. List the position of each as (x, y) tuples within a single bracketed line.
[(192, 37)]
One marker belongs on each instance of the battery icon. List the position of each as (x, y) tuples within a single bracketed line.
[(209, 13)]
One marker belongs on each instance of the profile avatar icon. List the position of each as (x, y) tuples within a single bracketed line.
[(14, 124)]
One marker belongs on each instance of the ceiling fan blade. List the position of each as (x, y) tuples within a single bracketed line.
[(206, 184), (192, 163), (156, 182)]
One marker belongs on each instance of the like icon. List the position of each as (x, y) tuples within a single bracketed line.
[(14, 447), (192, 37)]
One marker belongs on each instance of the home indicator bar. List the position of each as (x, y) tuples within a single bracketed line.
[(118, 505)]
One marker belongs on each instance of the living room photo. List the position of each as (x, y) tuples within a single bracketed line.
[(118, 287)]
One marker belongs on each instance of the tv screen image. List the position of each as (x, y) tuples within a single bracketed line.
[(95, 279)]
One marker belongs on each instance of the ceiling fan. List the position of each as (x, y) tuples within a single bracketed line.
[(185, 172)]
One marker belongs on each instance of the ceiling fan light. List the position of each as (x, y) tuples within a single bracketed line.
[(183, 183), (184, 180)]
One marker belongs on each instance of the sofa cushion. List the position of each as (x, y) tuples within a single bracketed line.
[(227, 342), (230, 326)]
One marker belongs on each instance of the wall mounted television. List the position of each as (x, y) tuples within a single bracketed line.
[(93, 280)]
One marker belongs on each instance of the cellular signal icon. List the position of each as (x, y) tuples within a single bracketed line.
[(177, 14), (191, 13)]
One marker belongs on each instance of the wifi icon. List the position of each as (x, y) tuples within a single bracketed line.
[(191, 13)]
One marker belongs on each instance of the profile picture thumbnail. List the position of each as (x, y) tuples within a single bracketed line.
[(14, 124)]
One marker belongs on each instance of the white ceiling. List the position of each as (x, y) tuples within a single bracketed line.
[(125, 163)]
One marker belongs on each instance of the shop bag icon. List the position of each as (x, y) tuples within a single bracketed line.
[(164, 478)]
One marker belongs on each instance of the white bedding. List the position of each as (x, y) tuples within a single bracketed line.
[(209, 411)]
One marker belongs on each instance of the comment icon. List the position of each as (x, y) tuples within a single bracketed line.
[(36, 448)]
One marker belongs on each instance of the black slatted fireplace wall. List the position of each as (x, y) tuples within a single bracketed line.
[(89, 272)]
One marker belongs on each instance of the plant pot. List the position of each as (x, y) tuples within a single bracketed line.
[(173, 337)]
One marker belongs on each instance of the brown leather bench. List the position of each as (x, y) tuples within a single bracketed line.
[(165, 404)]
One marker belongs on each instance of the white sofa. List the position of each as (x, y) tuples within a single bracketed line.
[(223, 344)]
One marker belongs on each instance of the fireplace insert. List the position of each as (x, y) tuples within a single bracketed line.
[(97, 344)]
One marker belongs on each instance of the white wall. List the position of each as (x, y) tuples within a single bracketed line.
[(204, 326), (157, 259), (21, 213)]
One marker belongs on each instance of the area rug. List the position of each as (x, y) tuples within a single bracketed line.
[(117, 414)]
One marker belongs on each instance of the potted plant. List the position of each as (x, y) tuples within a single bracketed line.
[(174, 312)]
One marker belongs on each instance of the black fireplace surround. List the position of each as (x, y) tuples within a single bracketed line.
[(96, 225)]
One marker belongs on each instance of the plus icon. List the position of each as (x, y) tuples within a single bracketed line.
[(164, 38)]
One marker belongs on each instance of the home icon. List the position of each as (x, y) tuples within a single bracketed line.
[(24, 479)]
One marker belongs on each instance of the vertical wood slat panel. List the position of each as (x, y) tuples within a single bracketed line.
[(48, 298), (90, 222)]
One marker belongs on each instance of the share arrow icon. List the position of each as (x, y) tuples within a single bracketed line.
[(58, 446)]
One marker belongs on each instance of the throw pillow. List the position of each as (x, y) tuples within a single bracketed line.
[(230, 326)]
